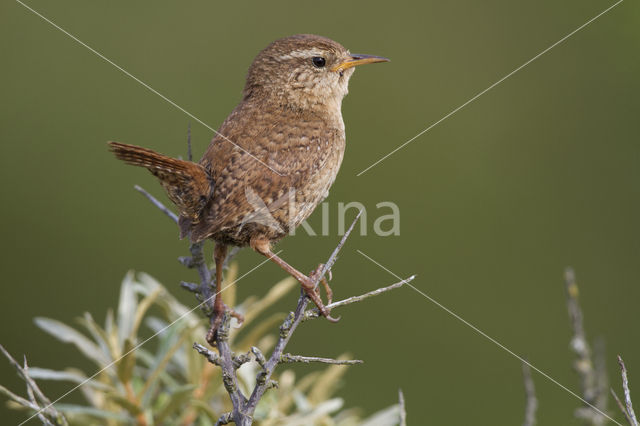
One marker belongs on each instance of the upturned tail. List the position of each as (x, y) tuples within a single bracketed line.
[(188, 184)]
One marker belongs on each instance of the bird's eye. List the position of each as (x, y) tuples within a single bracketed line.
[(318, 61)]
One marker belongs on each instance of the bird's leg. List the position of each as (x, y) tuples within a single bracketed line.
[(308, 283), (219, 254)]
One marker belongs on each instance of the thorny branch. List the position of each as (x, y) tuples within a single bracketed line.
[(294, 319), (531, 402), (593, 380), (288, 358), (243, 407), (403, 410), (37, 401), (627, 408), (315, 313), (205, 291), (157, 203)]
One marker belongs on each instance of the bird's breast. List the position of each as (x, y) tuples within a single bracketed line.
[(277, 170), (319, 157)]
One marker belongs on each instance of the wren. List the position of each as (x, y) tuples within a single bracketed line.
[(272, 161)]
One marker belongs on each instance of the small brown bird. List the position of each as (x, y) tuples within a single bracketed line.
[(272, 161)]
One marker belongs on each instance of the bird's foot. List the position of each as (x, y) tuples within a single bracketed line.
[(310, 288), (212, 335), (315, 277), (237, 315)]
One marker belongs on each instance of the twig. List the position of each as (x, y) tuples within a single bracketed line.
[(334, 255), (288, 358), (157, 203), (240, 359), (403, 410), (260, 359), (227, 360), (208, 286), (32, 397), (225, 419), (531, 402), (37, 399), (289, 326), (206, 290), (315, 313), (211, 356), (628, 409), (622, 407), (589, 378), (243, 408), (229, 377)]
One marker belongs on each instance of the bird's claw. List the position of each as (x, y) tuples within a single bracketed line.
[(314, 278), (238, 316), (314, 274), (324, 311), (332, 319)]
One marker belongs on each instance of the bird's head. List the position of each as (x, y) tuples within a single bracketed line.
[(304, 71)]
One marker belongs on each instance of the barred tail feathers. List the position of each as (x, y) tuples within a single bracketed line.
[(187, 184), (144, 157)]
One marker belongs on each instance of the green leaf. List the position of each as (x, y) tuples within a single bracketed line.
[(111, 330), (81, 410), (170, 304), (388, 417), (327, 407), (98, 334), (177, 398), (205, 411), (206, 421), (126, 308), (263, 327), (313, 415), (193, 365), (144, 357), (273, 295), (165, 352), (127, 362), (66, 334), (156, 324), (143, 306), (124, 402), (66, 376)]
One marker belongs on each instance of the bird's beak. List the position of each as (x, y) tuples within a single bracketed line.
[(357, 59)]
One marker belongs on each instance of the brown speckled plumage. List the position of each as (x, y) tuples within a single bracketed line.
[(281, 146)]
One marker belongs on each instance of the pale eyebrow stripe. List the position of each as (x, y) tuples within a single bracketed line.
[(300, 54)]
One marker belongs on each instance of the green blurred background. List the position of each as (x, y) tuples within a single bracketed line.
[(539, 173)]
